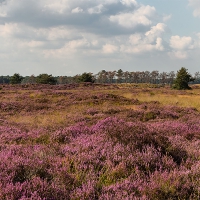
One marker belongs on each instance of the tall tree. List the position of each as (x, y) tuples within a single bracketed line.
[(147, 76), (45, 79), (136, 77), (197, 77), (126, 76), (182, 79), (16, 79), (111, 75), (86, 77), (4, 79), (163, 77), (102, 76), (154, 76), (171, 77), (29, 80), (119, 75)]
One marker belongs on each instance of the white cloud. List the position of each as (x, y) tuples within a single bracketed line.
[(147, 42), (182, 55), (3, 10), (155, 32), (166, 18), (181, 43), (109, 48), (57, 33), (74, 44), (196, 5), (181, 46), (135, 39), (9, 29), (58, 6), (129, 2), (34, 44), (70, 47), (159, 45), (96, 10), (141, 16), (77, 10), (143, 47)]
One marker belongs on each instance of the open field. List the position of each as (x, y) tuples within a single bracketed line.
[(106, 142)]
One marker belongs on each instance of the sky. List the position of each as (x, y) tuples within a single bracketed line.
[(69, 37)]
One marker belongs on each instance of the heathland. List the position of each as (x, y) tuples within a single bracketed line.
[(99, 141)]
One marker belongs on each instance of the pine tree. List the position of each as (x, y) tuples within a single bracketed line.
[(182, 80)]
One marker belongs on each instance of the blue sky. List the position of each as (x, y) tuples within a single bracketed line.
[(69, 37), (182, 20)]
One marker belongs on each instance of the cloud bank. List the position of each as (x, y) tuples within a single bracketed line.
[(55, 35)]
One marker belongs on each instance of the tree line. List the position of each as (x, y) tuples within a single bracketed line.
[(104, 77)]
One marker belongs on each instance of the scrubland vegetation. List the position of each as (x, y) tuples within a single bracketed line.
[(94, 141)]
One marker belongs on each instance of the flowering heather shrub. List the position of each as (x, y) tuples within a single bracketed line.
[(102, 150), (137, 135), (25, 170), (10, 106), (11, 135), (152, 110), (66, 134), (170, 114), (149, 116), (135, 115), (124, 190), (175, 128), (170, 185), (114, 99), (120, 159), (13, 107), (86, 191)]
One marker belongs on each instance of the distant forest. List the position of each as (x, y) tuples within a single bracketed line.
[(119, 76)]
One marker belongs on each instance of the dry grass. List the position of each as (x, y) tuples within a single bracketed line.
[(68, 115), (133, 107), (190, 100), (41, 120), (53, 119)]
